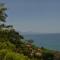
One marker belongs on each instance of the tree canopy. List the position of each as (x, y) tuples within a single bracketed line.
[(3, 14)]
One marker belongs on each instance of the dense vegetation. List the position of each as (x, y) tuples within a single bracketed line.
[(13, 46)]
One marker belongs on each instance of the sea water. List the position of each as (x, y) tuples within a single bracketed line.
[(50, 41)]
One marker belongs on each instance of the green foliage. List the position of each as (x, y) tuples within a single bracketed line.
[(3, 14), (10, 55), (15, 56), (30, 41), (48, 55), (7, 45), (2, 54)]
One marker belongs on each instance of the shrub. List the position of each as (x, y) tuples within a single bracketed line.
[(6, 45), (6, 54), (2, 54), (15, 56)]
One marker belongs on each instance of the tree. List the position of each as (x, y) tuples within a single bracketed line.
[(10, 34), (30, 41), (3, 14)]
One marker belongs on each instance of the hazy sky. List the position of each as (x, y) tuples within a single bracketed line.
[(42, 16)]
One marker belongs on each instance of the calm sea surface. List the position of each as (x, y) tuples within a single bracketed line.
[(51, 41)]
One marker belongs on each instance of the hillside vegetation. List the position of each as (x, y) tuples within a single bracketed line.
[(13, 46)]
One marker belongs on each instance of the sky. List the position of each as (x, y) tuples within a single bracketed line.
[(38, 16)]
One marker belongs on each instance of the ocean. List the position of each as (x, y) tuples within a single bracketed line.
[(50, 41)]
